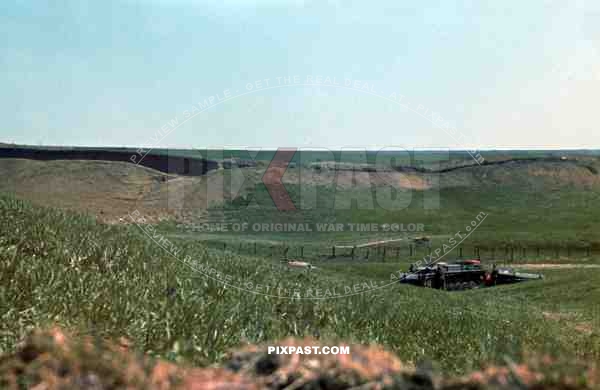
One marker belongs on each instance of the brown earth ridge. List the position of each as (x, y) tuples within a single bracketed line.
[(53, 359)]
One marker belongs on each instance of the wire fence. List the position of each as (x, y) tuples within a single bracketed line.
[(404, 252)]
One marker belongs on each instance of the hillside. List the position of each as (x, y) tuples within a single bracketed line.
[(108, 190), (118, 182), (63, 269), (511, 192)]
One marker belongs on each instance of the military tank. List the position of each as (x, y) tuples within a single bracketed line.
[(463, 275)]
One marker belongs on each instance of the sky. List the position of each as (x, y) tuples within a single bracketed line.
[(419, 74)]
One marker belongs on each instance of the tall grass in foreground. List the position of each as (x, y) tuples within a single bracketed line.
[(110, 281)]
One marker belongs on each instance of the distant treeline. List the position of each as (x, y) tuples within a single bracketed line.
[(164, 162)]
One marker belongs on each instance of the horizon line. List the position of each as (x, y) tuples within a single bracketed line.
[(316, 148)]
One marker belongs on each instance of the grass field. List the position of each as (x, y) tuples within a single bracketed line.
[(521, 214), (62, 268)]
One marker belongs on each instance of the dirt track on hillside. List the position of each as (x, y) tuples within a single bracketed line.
[(554, 265)]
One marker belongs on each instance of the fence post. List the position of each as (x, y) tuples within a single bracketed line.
[(333, 251), (255, 248), (410, 250), (352, 253), (301, 252), (383, 254), (460, 252), (367, 254)]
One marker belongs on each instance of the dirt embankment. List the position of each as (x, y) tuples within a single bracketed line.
[(53, 360)]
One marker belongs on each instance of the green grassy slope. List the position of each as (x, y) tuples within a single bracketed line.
[(529, 213), (63, 268)]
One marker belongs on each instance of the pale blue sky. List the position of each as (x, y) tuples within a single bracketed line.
[(504, 73)]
